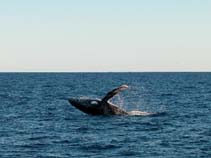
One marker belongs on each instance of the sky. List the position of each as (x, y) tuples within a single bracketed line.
[(105, 35)]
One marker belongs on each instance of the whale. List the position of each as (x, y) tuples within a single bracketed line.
[(103, 106)]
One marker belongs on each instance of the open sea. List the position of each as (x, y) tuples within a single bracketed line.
[(36, 120)]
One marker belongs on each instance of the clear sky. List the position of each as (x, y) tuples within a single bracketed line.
[(105, 35)]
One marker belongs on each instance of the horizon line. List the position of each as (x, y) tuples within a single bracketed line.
[(106, 71)]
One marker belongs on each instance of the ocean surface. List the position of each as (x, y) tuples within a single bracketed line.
[(36, 120)]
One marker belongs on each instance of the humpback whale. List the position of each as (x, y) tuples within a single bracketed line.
[(103, 106)]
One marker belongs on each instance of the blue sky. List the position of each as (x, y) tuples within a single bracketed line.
[(109, 35)]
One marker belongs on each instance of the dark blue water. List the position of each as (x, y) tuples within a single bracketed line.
[(37, 121)]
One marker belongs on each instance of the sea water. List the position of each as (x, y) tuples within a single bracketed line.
[(36, 119)]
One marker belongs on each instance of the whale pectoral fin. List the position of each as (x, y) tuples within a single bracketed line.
[(115, 91)]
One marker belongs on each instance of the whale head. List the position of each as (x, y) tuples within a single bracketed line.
[(89, 106)]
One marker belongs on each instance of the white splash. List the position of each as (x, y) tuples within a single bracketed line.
[(139, 113)]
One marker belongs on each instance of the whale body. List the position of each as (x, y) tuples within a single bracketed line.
[(103, 106)]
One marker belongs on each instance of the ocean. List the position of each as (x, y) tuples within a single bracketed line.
[(37, 121)]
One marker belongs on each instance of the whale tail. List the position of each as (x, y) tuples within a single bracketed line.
[(114, 92)]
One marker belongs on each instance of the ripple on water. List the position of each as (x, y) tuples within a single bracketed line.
[(36, 122)]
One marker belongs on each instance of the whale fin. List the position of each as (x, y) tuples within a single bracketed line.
[(112, 93)]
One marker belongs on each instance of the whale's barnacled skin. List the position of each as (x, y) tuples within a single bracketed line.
[(102, 107)]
